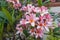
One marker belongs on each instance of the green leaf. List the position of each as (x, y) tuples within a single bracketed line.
[(26, 33), (46, 2), (50, 37), (8, 28), (57, 31), (37, 14), (40, 2), (8, 16), (19, 16), (2, 15), (28, 1), (1, 29), (3, 3), (55, 24), (30, 38)]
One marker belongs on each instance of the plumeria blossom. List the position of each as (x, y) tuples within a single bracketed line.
[(24, 8), (45, 22), (31, 19), (48, 16), (36, 10), (32, 32), (40, 25), (13, 1), (29, 8), (23, 22), (10, 1), (20, 30), (16, 3), (16, 6), (43, 26), (43, 10), (36, 32), (39, 33)]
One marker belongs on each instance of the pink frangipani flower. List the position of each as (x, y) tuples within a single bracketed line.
[(36, 32), (43, 10), (13, 1), (16, 6), (20, 30), (24, 8), (30, 7), (32, 32), (36, 10), (16, 3), (23, 22), (39, 33), (31, 19)]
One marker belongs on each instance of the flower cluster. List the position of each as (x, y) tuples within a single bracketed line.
[(16, 3), (35, 24)]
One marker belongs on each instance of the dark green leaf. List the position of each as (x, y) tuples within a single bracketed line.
[(46, 2), (57, 31), (3, 3), (2, 15), (19, 16), (8, 16), (26, 33)]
